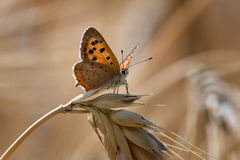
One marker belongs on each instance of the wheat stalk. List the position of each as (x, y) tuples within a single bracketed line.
[(125, 135), (213, 103)]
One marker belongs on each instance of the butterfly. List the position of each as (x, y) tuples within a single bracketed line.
[(99, 67)]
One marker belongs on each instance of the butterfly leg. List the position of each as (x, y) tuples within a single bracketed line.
[(117, 90), (126, 85)]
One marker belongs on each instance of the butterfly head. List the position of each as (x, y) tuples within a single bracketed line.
[(124, 66), (124, 71)]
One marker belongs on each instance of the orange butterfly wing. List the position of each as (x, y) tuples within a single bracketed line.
[(95, 48), (93, 75), (126, 62)]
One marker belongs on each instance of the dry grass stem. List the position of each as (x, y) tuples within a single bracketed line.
[(212, 104), (30, 130), (125, 135), (43, 119)]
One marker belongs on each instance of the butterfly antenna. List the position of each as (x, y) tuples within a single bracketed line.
[(142, 61), (122, 54)]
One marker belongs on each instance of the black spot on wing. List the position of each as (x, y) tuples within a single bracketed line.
[(102, 50), (90, 51), (107, 57), (94, 58)]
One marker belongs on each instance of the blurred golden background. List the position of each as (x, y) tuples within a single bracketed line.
[(39, 43)]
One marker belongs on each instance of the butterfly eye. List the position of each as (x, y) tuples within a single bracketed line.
[(123, 72)]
